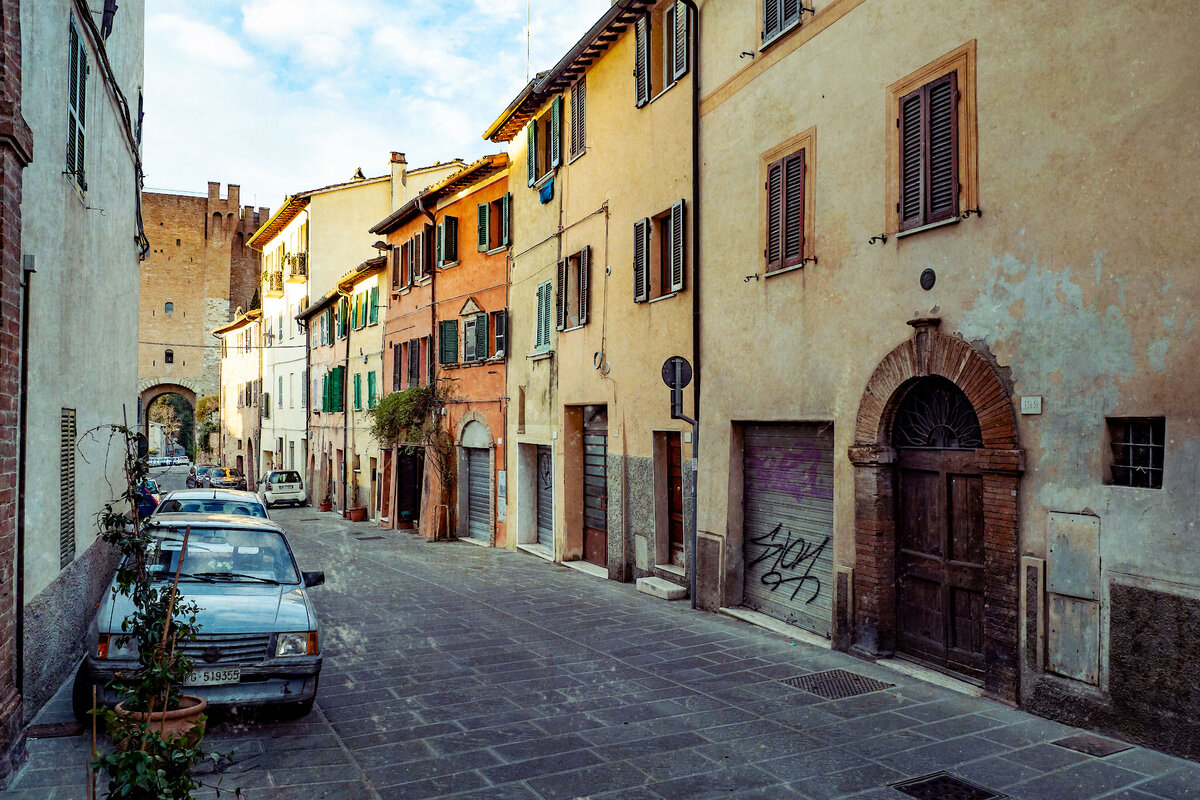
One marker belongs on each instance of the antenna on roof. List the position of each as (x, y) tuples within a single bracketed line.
[(528, 17)]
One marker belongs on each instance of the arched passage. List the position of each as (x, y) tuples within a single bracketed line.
[(879, 496), (151, 393)]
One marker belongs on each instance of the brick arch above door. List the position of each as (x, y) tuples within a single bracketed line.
[(932, 353)]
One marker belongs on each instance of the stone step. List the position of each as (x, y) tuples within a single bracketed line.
[(661, 588)]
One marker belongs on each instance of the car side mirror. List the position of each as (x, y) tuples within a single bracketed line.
[(313, 579)]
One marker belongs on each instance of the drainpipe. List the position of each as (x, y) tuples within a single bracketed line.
[(694, 29), (27, 271), (433, 327), (345, 412)]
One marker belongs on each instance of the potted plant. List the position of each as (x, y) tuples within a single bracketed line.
[(156, 730), (327, 500), (355, 512)]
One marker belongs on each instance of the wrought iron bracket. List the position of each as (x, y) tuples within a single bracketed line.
[(882, 238), (967, 214), (748, 278)]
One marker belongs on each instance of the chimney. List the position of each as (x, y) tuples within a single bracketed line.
[(399, 183)]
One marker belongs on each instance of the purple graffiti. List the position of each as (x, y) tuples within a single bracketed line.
[(793, 472), (790, 554)]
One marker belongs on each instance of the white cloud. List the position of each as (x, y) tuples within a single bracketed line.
[(197, 42)]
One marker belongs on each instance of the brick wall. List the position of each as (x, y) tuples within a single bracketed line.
[(16, 146)]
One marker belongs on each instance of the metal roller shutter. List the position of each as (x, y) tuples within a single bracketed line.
[(545, 498), (479, 511), (788, 523)]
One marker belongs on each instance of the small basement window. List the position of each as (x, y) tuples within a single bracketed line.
[(1137, 447), (169, 357)]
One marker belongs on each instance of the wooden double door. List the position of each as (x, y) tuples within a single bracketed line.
[(940, 559)]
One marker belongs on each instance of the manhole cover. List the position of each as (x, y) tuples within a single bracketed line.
[(944, 786), (54, 730), (1092, 745), (837, 683)]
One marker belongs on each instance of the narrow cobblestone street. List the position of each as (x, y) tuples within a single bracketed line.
[(457, 671)]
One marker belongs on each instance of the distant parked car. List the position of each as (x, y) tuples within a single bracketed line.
[(213, 501), (258, 642), (225, 478), (197, 477), (180, 461), (282, 486)]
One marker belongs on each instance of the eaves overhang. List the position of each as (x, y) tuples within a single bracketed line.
[(344, 284), (290, 209), (239, 321)]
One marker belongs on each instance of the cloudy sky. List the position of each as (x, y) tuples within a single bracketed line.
[(285, 95)]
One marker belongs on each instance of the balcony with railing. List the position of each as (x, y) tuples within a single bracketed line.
[(272, 284), (295, 267)]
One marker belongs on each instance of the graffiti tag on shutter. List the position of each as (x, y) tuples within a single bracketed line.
[(791, 560)]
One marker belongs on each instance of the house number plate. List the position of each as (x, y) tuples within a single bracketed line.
[(214, 677)]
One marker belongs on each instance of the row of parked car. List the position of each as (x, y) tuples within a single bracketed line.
[(168, 461), (259, 640), (276, 487)]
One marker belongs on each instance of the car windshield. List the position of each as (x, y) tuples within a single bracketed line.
[(226, 473), (202, 470), (223, 554), (245, 508), (285, 477)]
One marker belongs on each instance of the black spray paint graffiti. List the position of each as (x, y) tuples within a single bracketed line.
[(790, 555)]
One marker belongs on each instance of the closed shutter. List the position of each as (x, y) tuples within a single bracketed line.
[(394, 260), (678, 228), (481, 337), (911, 189), (449, 342), (479, 494), (545, 498), (66, 486), (469, 339), (680, 50), (556, 132), (372, 390), (585, 268), (788, 523), (560, 298), (531, 153), (505, 221), (578, 117), (641, 260), (789, 12), (373, 316), (482, 211), (357, 391), (770, 19), (450, 247), (943, 148), (414, 362), (339, 389), (541, 314), (441, 243), (774, 251), (641, 61), (410, 264), (427, 251), (397, 366), (77, 108), (793, 209), (501, 334)]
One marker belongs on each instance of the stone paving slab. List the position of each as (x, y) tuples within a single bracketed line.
[(458, 671)]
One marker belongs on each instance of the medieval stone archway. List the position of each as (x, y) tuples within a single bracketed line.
[(932, 353), (150, 390)]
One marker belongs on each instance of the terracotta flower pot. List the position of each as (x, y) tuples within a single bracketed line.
[(183, 721), (356, 514), (326, 506)]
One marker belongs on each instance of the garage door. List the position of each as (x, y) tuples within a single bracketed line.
[(788, 523), (479, 494), (545, 498)]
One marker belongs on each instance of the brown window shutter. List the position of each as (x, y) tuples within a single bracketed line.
[(641, 61), (579, 117), (410, 261), (560, 298), (641, 260), (678, 237), (793, 209), (774, 251), (911, 171), (942, 104), (585, 268), (397, 366)]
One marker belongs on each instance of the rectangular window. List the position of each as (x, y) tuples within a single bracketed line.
[(494, 223), (372, 390), (358, 391), (66, 488), (447, 241), (660, 254), (448, 341), (280, 395), (475, 337), (660, 50), (500, 333), (573, 297), (579, 118), (77, 107), (266, 405), (928, 124), (541, 334), (1138, 448), (413, 346), (544, 142), (779, 16), (397, 365), (785, 212)]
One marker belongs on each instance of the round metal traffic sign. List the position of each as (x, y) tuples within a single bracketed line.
[(684, 372)]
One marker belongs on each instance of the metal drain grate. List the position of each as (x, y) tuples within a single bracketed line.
[(837, 683), (367, 538), (944, 786), (1093, 745), (54, 730)]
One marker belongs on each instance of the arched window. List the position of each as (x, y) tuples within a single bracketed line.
[(169, 307), (169, 357), (936, 414)]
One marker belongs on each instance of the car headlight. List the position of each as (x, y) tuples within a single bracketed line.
[(116, 646), (302, 643)]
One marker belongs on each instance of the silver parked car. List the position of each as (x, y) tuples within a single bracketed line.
[(212, 501), (282, 486), (259, 640)]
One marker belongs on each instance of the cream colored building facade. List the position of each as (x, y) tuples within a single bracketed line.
[(241, 392), (601, 295), (948, 337)]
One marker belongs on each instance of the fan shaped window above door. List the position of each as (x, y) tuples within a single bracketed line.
[(936, 414)]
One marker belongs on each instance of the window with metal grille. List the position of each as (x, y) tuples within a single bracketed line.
[(66, 488), (1138, 448)]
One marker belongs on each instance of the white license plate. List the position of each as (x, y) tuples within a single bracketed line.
[(287, 487), (214, 677)]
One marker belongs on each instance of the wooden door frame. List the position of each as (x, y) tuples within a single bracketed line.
[(1001, 461)]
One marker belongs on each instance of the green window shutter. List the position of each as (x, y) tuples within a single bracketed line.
[(441, 243), (339, 387), (678, 227), (327, 392), (560, 298), (585, 268), (641, 260), (506, 219), (680, 50), (481, 337), (372, 399), (641, 61), (483, 210), (358, 391), (451, 224), (541, 314), (531, 152), (374, 309), (556, 132), (448, 350)]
